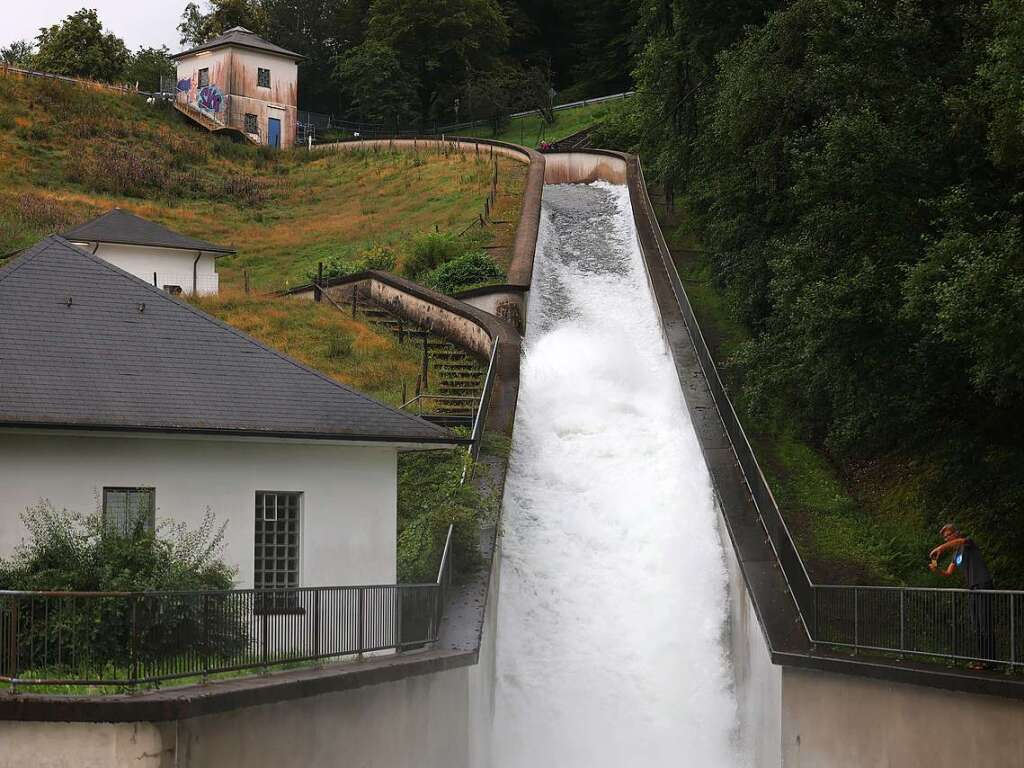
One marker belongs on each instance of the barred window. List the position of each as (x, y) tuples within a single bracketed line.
[(128, 510), (204, 78), (251, 125), (277, 542), (262, 77)]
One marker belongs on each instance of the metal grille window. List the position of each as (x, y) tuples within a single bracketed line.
[(277, 546), (128, 510), (262, 77), (250, 123), (204, 78)]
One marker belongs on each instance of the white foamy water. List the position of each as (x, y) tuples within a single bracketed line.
[(613, 584)]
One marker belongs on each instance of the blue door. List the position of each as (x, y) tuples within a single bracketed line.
[(274, 132)]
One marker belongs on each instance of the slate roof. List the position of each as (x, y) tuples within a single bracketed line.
[(85, 345), (117, 226), (243, 38)]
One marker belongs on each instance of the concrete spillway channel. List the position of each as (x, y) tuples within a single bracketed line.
[(613, 582)]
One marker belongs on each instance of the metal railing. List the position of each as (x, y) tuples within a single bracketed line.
[(138, 638), (480, 420), (445, 573), (950, 624)]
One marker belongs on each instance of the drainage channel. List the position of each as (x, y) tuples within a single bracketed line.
[(613, 587)]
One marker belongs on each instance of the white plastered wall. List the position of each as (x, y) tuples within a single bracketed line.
[(348, 515), (172, 266)]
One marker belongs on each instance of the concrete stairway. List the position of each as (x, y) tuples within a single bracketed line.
[(208, 122), (452, 372)]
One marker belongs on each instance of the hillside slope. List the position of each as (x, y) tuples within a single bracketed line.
[(68, 154)]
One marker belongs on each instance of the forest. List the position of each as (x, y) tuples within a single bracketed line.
[(854, 171)]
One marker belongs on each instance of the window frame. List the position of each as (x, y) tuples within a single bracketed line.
[(149, 526), (255, 123), (284, 597), (259, 77), (204, 77)]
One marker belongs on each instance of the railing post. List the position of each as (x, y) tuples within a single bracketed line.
[(12, 646), (133, 652), (856, 620), (1013, 633), (316, 622), (264, 650), (903, 594), (398, 618), (206, 639), (359, 622)]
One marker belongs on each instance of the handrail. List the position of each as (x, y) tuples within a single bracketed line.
[(476, 435)]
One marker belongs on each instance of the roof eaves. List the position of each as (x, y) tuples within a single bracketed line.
[(210, 318)]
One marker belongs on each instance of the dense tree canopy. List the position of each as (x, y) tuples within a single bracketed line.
[(79, 47)]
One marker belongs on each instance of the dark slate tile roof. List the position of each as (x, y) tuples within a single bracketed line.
[(243, 38), (119, 226), (77, 352)]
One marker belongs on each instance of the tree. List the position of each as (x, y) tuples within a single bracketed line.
[(322, 31), (438, 42), (78, 47), (377, 87), (148, 65), (197, 27), (18, 54)]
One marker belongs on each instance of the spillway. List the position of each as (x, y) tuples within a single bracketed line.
[(613, 585)]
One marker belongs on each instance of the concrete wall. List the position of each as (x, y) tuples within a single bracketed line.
[(842, 721), (583, 168), (172, 266), (348, 515), (417, 722)]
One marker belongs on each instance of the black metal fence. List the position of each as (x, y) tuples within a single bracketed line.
[(950, 624), (135, 638)]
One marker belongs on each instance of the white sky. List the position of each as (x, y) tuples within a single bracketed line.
[(137, 22)]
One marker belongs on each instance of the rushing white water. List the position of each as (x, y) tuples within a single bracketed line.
[(613, 584)]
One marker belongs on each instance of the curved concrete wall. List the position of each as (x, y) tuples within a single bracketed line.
[(584, 168), (508, 301)]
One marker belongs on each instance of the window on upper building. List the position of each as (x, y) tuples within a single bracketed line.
[(204, 78), (263, 77), (251, 124), (276, 551), (129, 510)]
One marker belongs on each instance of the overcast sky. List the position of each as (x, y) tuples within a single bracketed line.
[(137, 22)]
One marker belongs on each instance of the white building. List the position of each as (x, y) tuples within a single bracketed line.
[(241, 82), (151, 252), (117, 395)]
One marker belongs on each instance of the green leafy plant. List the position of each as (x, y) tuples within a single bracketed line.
[(465, 271)]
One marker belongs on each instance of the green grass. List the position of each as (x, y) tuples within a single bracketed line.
[(531, 130), (864, 524)]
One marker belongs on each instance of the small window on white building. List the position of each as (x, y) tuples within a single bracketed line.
[(262, 77), (276, 551), (129, 510), (251, 126), (204, 77)]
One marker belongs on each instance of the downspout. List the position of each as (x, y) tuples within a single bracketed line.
[(95, 248), (195, 265)]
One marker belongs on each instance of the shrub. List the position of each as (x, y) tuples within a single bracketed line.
[(375, 257), (339, 343), (430, 497), (466, 271), (43, 212), (74, 552), (111, 167), (33, 132), (429, 251)]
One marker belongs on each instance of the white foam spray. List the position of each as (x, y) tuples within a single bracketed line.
[(613, 589)]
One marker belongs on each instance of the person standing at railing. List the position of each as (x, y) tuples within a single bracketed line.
[(968, 558)]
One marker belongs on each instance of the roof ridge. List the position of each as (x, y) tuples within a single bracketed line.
[(242, 335)]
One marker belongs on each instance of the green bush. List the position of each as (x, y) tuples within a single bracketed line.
[(429, 251), (67, 551), (430, 498), (465, 271), (379, 257)]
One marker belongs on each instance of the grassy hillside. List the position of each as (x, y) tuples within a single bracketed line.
[(68, 154), (531, 130)]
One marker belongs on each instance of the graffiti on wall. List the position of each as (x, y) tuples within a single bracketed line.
[(210, 98), (185, 85)]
